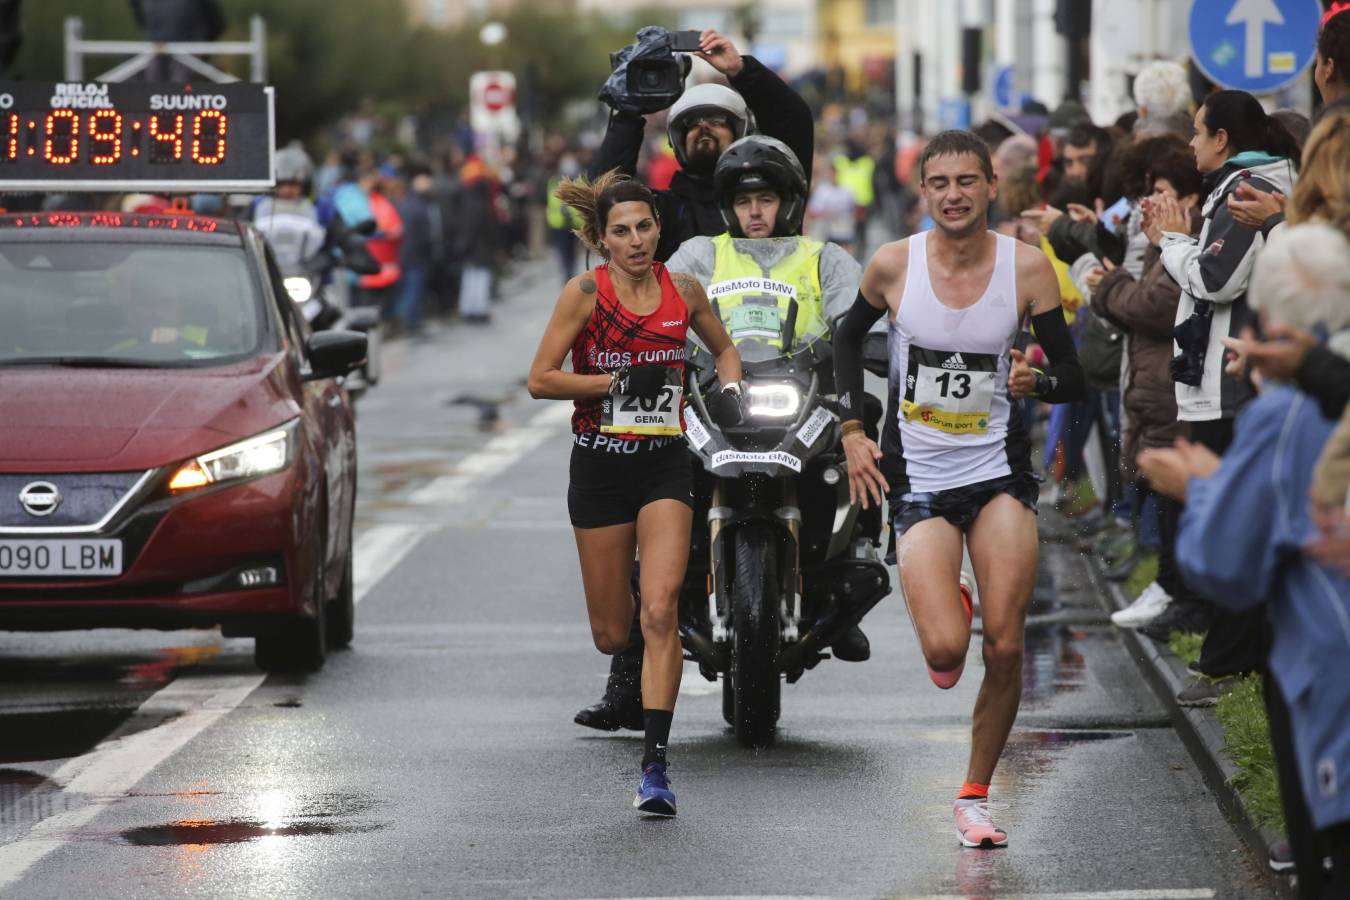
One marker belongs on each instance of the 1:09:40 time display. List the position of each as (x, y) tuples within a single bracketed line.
[(106, 137)]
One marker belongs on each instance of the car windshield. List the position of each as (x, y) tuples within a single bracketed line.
[(127, 304)]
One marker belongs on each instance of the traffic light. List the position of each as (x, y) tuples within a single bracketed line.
[(972, 49), (1073, 18)]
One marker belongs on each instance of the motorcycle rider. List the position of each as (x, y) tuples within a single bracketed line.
[(762, 190), (626, 324), (287, 218), (701, 125)]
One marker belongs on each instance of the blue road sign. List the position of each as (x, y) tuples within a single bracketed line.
[(1254, 45), (954, 113), (1003, 88)]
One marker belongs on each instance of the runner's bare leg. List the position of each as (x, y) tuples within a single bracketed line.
[(663, 529), (928, 558), (606, 562), (1004, 551)]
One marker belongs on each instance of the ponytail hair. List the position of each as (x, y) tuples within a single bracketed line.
[(1248, 126), (593, 200)]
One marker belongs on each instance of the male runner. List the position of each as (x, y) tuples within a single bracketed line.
[(956, 297)]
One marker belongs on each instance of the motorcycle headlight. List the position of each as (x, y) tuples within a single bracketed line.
[(778, 401), (299, 288), (261, 455)]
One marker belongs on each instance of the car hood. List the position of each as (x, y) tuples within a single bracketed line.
[(55, 420)]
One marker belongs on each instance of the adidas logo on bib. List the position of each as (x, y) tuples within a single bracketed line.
[(954, 362)]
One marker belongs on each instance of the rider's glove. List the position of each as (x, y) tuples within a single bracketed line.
[(644, 382), (725, 406)]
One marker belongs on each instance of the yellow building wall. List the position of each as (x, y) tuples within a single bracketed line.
[(846, 41)]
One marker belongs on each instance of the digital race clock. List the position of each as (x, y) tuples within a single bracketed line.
[(135, 137)]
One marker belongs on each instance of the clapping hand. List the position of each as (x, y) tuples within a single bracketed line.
[(1252, 207), (1169, 469), (1080, 213), (1042, 219)]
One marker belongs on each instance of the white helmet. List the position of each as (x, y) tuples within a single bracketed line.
[(707, 98), (293, 164)]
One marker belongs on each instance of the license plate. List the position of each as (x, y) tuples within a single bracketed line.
[(38, 558)]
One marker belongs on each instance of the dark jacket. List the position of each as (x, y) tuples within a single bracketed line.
[(1145, 311), (419, 241), (179, 20), (689, 208), (1071, 239), (1325, 375)]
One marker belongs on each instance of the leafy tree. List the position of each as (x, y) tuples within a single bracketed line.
[(327, 57)]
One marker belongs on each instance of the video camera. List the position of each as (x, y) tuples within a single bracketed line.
[(648, 76)]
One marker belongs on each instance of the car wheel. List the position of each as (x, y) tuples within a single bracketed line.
[(301, 644), (341, 612)]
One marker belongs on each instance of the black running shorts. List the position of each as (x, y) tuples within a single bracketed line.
[(962, 505), (611, 479)]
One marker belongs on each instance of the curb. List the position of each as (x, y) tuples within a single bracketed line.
[(1199, 729)]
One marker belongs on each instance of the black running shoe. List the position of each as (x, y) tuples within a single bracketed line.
[(611, 714)]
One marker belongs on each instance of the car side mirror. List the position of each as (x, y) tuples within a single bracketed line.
[(333, 354)]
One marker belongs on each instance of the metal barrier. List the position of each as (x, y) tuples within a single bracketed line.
[(186, 53)]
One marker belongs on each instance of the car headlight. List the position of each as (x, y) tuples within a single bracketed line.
[(261, 455), (299, 288), (776, 400)]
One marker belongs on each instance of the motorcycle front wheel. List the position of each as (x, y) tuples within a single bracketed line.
[(756, 636)]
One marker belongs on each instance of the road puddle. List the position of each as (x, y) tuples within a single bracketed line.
[(1053, 663), (27, 798), (271, 814), (67, 733), (207, 832)]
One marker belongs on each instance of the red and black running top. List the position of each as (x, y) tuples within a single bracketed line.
[(615, 337)]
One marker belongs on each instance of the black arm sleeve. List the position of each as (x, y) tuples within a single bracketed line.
[(1324, 376), (621, 146), (848, 363), (1065, 375), (780, 112)]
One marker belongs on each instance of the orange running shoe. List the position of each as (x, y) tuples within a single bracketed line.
[(975, 827), (948, 680)]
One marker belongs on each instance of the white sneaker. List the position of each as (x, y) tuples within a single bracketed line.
[(1151, 603)]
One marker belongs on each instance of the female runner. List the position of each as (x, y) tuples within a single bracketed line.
[(630, 486)]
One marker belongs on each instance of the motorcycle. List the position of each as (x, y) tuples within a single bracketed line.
[(310, 257), (787, 562)]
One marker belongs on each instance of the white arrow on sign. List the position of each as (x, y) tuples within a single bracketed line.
[(1254, 14)]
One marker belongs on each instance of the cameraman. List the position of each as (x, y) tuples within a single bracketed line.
[(703, 123)]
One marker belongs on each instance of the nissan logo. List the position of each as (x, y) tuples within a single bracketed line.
[(41, 498)]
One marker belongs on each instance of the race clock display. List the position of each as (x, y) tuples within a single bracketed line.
[(126, 137)]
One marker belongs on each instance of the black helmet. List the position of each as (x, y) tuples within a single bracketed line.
[(757, 162)]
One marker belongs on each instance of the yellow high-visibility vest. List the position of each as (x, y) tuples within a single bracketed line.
[(856, 175), (558, 214), (754, 303)]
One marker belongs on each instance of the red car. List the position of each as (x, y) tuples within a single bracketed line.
[(176, 449)]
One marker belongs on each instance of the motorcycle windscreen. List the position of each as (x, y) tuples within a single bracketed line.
[(767, 326)]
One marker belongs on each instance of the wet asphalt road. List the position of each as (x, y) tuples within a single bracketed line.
[(438, 757)]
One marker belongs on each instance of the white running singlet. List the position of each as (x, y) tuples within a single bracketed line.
[(950, 370)]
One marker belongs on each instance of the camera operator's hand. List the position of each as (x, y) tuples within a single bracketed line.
[(720, 53)]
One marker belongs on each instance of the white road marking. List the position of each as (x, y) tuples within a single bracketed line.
[(497, 455), (377, 551), (109, 771)]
